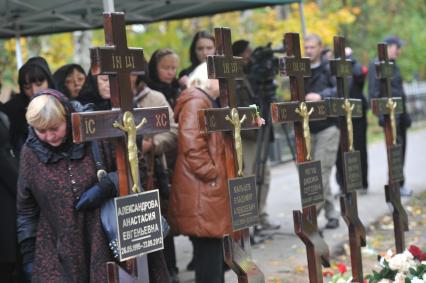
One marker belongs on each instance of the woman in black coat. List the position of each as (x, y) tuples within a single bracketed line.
[(33, 76), (9, 262)]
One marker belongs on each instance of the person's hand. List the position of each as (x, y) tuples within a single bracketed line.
[(312, 96), (183, 81), (96, 195), (147, 145)]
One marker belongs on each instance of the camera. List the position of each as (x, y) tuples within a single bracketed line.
[(261, 72)]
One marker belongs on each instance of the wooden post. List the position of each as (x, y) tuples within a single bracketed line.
[(118, 61), (300, 112), (344, 109), (226, 68), (390, 106)]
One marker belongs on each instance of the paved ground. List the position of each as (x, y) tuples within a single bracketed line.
[(285, 255)]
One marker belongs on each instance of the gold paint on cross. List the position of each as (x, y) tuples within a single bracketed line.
[(302, 110), (130, 128)]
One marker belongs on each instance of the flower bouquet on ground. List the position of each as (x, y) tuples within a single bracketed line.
[(336, 274), (406, 267)]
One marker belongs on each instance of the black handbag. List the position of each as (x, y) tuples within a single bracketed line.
[(108, 210)]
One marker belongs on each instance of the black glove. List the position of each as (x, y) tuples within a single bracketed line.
[(96, 195)]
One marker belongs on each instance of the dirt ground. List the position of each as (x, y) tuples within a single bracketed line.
[(380, 238)]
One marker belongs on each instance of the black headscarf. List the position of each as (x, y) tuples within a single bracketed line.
[(62, 73), (90, 94), (170, 91), (35, 69)]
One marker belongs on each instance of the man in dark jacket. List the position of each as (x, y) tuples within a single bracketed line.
[(324, 134), (394, 45)]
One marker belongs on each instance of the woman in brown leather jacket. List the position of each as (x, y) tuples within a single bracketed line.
[(199, 197)]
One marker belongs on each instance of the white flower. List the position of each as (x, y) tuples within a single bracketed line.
[(408, 255), (424, 276), (399, 278), (417, 280), (402, 262), (384, 281)]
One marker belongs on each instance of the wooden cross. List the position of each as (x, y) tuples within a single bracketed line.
[(231, 120), (305, 222), (118, 61), (390, 106), (345, 108)]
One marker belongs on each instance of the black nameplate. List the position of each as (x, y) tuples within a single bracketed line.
[(353, 171), (244, 204), (310, 180), (139, 224), (335, 107), (395, 163)]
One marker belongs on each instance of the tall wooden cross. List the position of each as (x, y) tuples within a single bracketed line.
[(345, 108), (390, 106), (301, 112), (118, 61), (231, 120)]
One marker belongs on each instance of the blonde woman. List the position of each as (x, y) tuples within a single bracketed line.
[(60, 243)]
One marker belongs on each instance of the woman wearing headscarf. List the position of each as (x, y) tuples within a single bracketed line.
[(59, 230), (33, 76), (69, 80)]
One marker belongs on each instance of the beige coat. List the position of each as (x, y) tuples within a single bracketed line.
[(163, 142)]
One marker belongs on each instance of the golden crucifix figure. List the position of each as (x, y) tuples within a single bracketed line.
[(348, 109), (391, 105), (304, 113), (130, 128), (236, 122)]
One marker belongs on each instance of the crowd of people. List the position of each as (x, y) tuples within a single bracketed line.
[(50, 193)]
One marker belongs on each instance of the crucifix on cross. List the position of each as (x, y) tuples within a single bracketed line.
[(389, 107), (344, 109), (123, 124), (300, 112), (232, 120)]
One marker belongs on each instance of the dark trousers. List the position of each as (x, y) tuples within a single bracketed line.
[(10, 273), (170, 253), (402, 140), (209, 262), (360, 144)]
